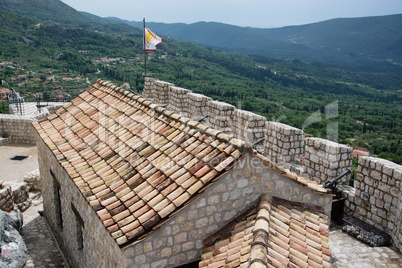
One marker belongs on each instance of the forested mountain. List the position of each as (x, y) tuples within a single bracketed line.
[(291, 91), (57, 11), (338, 40)]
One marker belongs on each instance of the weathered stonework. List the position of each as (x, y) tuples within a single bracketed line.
[(33, 180), (220, 115), (198, 106), (180, 240), (376, 196), (284, 143), (177, 96), (325, 160), (99, 249), (17, 128), (6, 198), (250, 127)]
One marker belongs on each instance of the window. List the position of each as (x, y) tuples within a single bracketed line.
[(79, 226), (57, 200)]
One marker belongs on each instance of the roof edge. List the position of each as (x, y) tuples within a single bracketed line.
[(311, 185), (198, 126)]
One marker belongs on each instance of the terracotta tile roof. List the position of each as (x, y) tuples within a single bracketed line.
[(134, 162), (137, 163), (360, 153), (278, 233)]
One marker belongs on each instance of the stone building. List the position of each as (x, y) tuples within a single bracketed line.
[(128, 183)]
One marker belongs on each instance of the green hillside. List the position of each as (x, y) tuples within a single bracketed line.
[(57, 11), (289, 91), (375, 38), (370, 39)]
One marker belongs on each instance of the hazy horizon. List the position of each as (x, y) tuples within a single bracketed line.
[(254, 13)]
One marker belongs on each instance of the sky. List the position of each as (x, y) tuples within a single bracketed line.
[(253, 13)]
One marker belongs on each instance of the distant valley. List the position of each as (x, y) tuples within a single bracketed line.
[(377, 39), (286, 74)]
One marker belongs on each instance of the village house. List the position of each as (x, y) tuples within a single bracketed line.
[(4, 65), (21, 77), (51, 78), (360, 153), (5, 93), (127, 182), (66, 79), (126, 86)]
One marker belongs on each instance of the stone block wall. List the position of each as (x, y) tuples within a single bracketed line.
[(250, 128), (149, 90), (284, 143), (180, 240), (198, 106), (377, 197), (6, 198), (325, 160), (177, 99), (99, 249), (18, 129), (159, 91), (220, 116)]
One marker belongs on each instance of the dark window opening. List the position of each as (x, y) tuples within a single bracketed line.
[(79, 226), (57, 195)]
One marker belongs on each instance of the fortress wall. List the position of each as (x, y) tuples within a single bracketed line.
[(250, 127), (177, 99), (376, 197), (198, 106), (17, 129), (282, 143), (220, 116), (325, 160)]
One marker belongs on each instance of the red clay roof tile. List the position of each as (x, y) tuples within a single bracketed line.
[(133, 161), (268, 247)]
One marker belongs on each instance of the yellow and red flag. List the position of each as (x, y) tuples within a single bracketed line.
[(151, 40)]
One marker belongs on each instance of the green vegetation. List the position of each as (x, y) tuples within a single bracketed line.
[(338, 40), (364, 104), (57, 11)]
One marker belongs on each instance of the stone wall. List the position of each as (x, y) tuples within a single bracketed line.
[(250, 128), (6, 198), (176, 99), (220, 116), (282, 143), (180, 240), (376, 197), (325, 160), (99, 249), (18, 128), (285, 143), (198, 106)]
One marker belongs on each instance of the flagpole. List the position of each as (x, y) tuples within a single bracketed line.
[(145, 52)]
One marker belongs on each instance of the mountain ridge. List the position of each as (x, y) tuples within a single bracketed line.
[(58, 11), (375, 38)]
